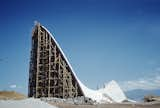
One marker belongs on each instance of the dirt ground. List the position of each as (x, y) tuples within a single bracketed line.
[(125, 105), (5, 95)]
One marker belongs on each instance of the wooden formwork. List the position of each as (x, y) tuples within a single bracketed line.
[(49, 73)]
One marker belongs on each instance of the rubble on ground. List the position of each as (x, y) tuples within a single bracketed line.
[(76, 100), (151, 98)]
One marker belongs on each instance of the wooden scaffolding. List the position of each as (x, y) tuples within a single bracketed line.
[(49, 73)]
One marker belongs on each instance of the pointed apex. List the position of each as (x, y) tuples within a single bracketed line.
[(36, 23), (112, 82)]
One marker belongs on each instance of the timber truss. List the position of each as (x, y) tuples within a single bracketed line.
[(49, 73)]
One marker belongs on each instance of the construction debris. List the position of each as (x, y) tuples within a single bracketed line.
[(77, 100)]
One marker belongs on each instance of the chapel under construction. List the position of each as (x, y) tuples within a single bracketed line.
[(50, 75)]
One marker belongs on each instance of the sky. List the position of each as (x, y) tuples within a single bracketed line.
[(104, 40)]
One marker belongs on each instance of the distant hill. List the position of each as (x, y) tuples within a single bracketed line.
[(5, 95), (139, 94)]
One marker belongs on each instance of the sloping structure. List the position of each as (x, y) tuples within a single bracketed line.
[(51, 74)]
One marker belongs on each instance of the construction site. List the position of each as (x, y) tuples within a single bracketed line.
[(51, 74), (54, 84), (52, 78)]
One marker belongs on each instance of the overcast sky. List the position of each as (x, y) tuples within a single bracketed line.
[(103, 39)]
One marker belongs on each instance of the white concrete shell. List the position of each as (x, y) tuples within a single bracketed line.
[(111, 93)]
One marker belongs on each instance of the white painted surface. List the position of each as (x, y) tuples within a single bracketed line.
[(111, 93)]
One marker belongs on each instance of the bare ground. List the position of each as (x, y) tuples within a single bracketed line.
[(17, 96), (125, 105), (5, 95)]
